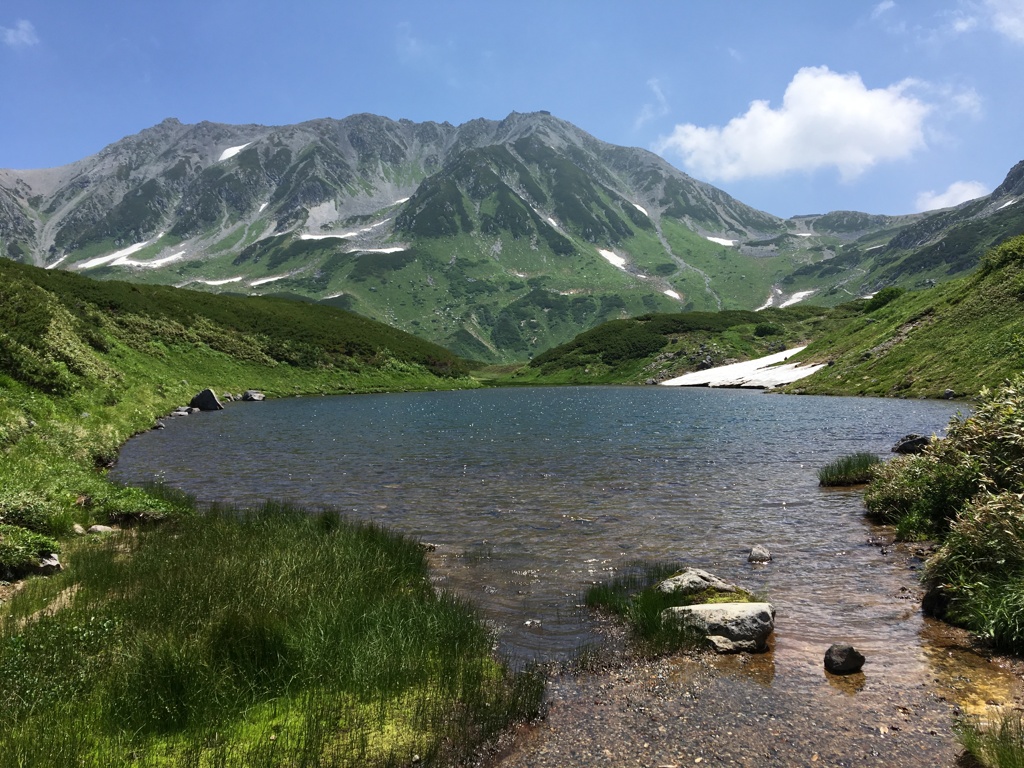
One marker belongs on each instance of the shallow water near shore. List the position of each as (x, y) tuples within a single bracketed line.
[(529, 495)]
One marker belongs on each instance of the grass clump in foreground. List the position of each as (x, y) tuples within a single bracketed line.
[(261, 638), (998, 745), (632, 596), (968, 491), (855, 469)]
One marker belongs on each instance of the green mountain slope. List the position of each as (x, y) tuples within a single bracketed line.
[(654, 347), (959, 336), (63, 333), (497, 239)]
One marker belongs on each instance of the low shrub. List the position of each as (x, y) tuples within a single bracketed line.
[(883, 297), (979, 570), (921, 495), (968, 489), (21, 548), (855, 469), (34, 512)]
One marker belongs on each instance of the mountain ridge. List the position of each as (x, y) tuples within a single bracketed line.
[(497, 238)]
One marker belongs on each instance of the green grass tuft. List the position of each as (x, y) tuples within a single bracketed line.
[(999, 745), (855, 469)]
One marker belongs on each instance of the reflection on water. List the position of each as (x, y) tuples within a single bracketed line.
[(532, 494)]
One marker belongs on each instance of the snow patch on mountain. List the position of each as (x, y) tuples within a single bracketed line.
[(673, 295), (760, 373), (612, 258), (797, 297), (339, 236), (230, 152), (265, 280), (642, 210), (225, 281), (775, 292), (720, 240), (152, 263), (116, 256), (343, 235)]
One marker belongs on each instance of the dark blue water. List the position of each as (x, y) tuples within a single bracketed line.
[(531, 494)]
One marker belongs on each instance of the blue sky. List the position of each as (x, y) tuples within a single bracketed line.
[(888, 106)]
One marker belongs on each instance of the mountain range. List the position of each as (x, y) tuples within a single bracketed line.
[(497, 239)]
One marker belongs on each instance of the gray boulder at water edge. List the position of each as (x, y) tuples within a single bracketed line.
[(911, 444), (252, 395), (727, 627), (692, 581), (206, 401)]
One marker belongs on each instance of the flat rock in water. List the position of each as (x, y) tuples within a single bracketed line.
[(693, 580), (728, 627)]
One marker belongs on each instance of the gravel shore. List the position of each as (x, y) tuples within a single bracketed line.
[(706, 709), (694, 710)]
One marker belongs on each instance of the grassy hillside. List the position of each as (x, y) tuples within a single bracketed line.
[(84, 364), (659, 347), (959, 336), (303, 639)]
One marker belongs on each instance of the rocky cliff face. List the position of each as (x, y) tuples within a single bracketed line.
[(192, 180)]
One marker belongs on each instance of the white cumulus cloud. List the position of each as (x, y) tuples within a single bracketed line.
[(956, 193), (1008, 18), (21, 35), (826, 120)]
